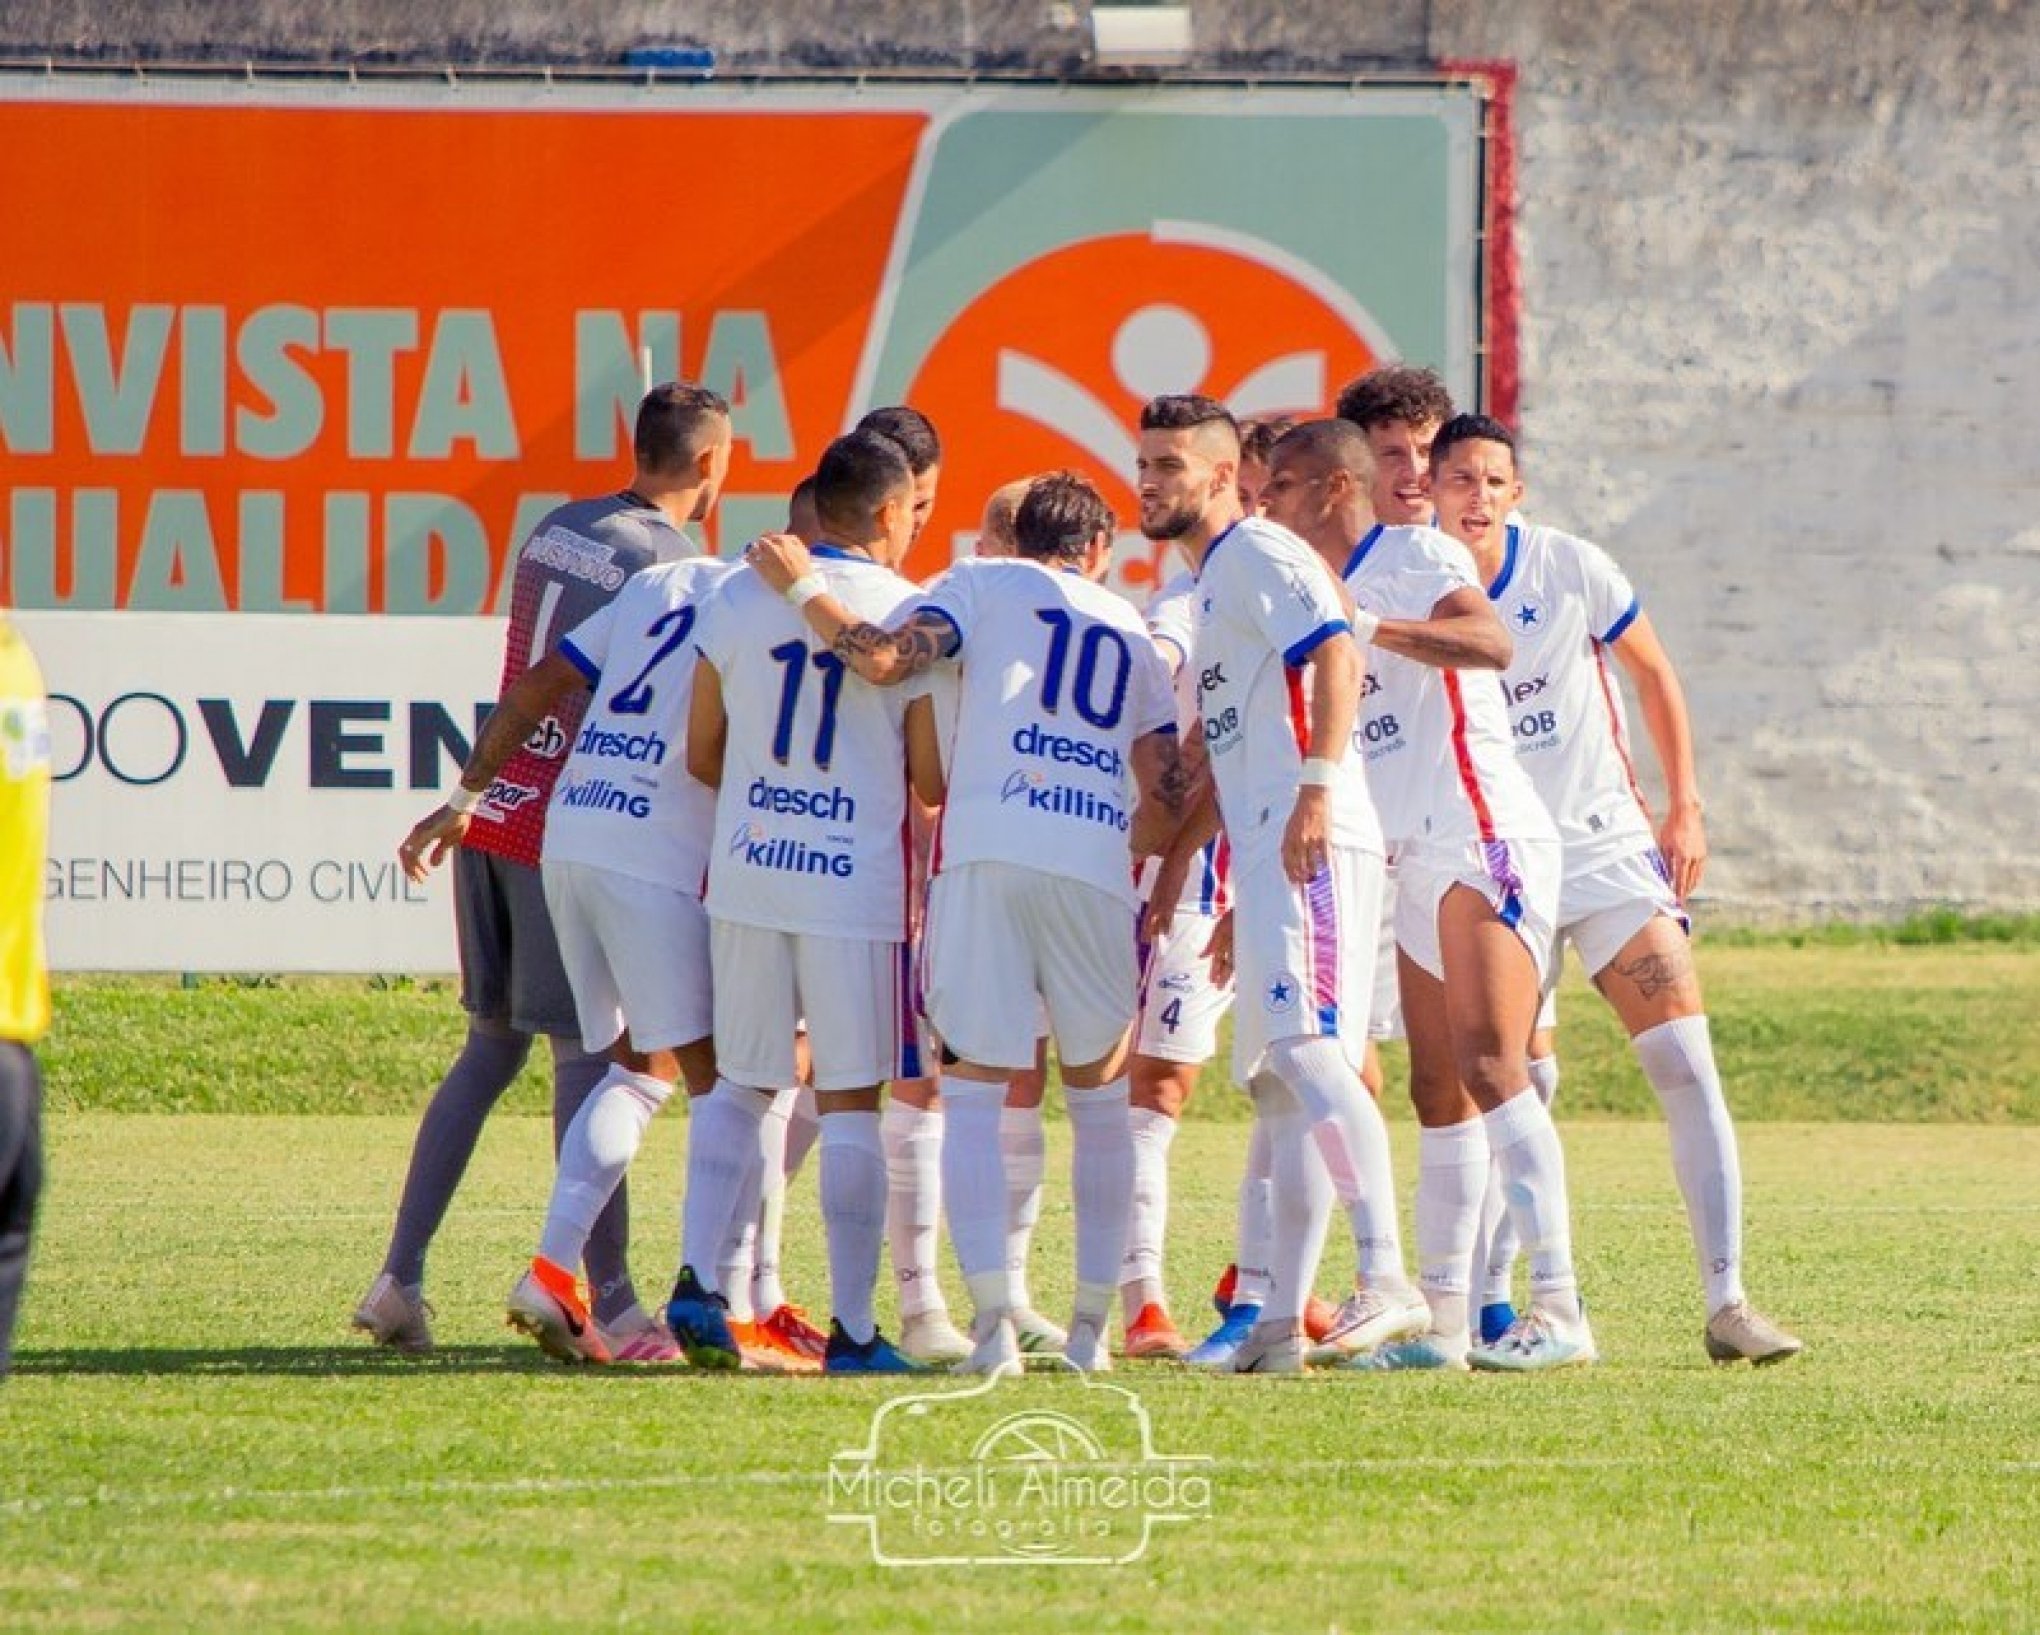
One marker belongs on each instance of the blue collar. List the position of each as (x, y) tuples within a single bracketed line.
[(836, 553), (1210, 549), (1360, 551), (1501, 583)]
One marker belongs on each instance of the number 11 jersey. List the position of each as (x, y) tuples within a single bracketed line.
[(810, 824)]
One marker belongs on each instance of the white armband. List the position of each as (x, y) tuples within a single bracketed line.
[(1364, 625), (1318, 773), (806, 588), (465, 801)]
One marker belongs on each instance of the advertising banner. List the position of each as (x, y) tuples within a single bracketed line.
[(316, 358)]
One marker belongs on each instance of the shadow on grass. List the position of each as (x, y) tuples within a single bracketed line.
[(336, 1362)]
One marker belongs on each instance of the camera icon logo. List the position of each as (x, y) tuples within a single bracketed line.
[(966, 1478)]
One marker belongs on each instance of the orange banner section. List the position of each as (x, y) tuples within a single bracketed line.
[(232, 377)]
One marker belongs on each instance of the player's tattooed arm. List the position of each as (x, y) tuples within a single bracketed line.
[(1165, 780), (524, 704), (1461, 633), (885, 657)]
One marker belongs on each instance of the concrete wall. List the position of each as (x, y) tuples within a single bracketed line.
[(1781, 331)]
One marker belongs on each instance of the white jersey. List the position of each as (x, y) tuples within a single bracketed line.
[(810, 824), (1058, 677), (1265, 603), (1564, 601), (1172, 620), (1441, 762), (625, 801)]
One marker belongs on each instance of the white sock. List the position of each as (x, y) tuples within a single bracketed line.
[(1495, 1249), (595, 1151), (767, 1292), (1025, 1150), (975, 1182), (722, 1147), (1678, 1059), (1526, 1146), (1101, 1177), (913, 1201), (1147, 1216), (1452, 1177), (1256, 1229), (1353, 1139), (853, 1211), (803, 1129), (740, 1244), (1300, 1193)]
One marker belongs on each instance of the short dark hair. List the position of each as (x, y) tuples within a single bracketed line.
[(1471, 428), (1259, 435), (1396, 394), (1338, 443), (858, 473), (1060, 516), (912, 430), (675, 423), (1181, 411)]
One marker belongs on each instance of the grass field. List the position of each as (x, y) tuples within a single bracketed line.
[(192, 1439)]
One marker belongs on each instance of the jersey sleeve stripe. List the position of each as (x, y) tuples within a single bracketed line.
[(1628, 618), (580, 661), (1299, 651)]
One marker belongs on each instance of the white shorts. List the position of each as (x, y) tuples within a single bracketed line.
[(1303, 957), (998, 935), (1518, 878), (1384, 1013), (1601, 909), (636, 956), (1180, 1006), (853, 993)]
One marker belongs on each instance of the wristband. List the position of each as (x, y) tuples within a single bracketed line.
[(805, 589), (1365, 624), (1318, 773), (466, 801)]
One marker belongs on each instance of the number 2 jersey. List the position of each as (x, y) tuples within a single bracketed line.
[(625, 800), (577, 558), (1565, 602), (1440, 762), (810, 829), (1058, 677)]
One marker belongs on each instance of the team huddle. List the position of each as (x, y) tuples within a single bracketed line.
[(841, 854)]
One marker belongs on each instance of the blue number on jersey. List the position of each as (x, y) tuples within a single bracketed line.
[(1084, 694), (635, 698), (795, 656)]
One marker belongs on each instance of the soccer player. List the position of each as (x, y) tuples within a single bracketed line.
[(1021, 1137), (24, 969), (1061, 694), (1279, 680), (1181, 1006), (1568, 606), (1257, 438), (1477, 895), (1398, 408), (512, 983), (807, 898)]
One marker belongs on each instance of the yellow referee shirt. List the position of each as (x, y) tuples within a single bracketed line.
[(24, 839)]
